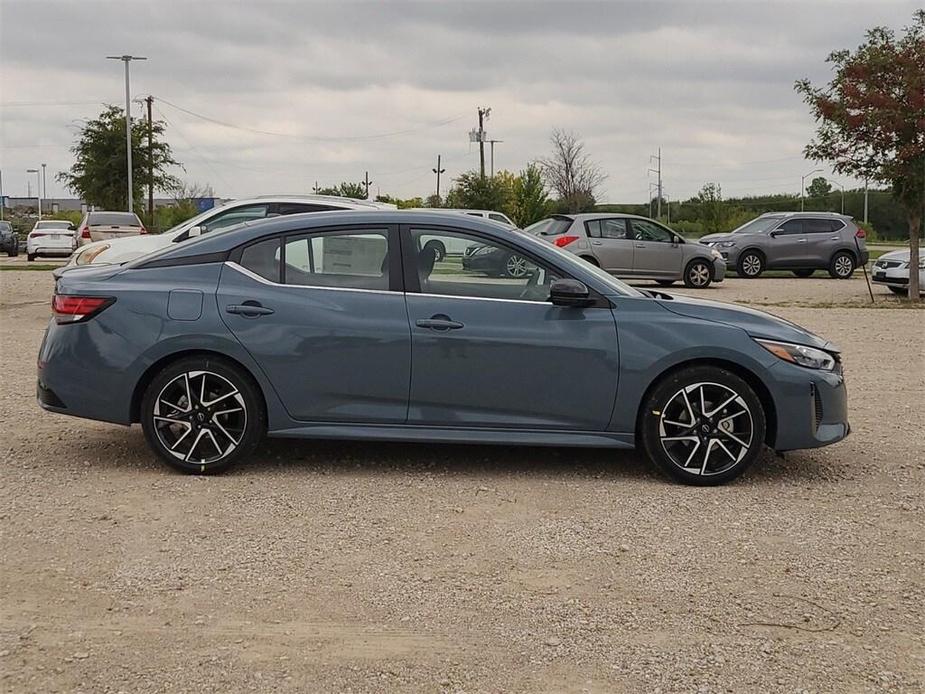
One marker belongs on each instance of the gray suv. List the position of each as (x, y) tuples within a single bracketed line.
[(802, 242), (9, 241), (632, 248)]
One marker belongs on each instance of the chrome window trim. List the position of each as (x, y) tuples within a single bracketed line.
[(263, 280), (479, 298)]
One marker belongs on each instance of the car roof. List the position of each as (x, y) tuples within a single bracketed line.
[(583, 216), (320, 199), (823, 215)]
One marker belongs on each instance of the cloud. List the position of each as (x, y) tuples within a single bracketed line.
[(711, 83)]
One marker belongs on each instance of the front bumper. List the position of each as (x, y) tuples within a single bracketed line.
[(811, 406), (719, 269)]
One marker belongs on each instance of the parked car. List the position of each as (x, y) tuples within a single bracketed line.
[(51, 237), (336, 325), (892, 270), (226, 215), (107, 226), (802, 242), (632, 247), (453, 247), (9, 239)]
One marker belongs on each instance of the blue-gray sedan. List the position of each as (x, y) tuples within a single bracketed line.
[(349, 325)]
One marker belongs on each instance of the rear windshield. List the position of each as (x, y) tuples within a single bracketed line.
[(550, 227), (52, 224), (756, 226), (126, 219)]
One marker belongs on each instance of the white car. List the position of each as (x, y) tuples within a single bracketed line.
[(892, 270), (51, 237), (117, 251), (101, 225)]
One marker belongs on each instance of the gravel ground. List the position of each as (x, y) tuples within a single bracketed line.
[(372, 567)]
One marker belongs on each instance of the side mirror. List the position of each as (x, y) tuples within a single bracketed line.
[(194, 231), (774, 233), (568, 292)]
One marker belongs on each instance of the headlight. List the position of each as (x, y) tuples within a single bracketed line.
[(810, 357), (727, 244), (715, 253), (88, 255)]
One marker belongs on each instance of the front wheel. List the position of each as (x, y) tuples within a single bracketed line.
[(751, 265), (702, 425), (30, 257), (698, 275), (515, 267), (902, 291), (842, 266), (202, 415)]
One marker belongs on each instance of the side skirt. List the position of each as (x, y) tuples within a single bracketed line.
[(419, 433)]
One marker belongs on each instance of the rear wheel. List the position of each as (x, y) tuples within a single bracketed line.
[(439, 249), (751, 265), (702, 425), (202, 415), (806, 272), (842, 266), (902, 291), (30, 257), (698, 274), (665, 283), (515, 266)]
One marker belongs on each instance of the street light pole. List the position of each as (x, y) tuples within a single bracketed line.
[(842, 188), (803, 184), (38, 188), (128, 122), (44, 187)]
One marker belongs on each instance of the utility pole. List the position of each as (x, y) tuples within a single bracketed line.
[(2, 200), (128, 122), (492, 143), (438, 171), (865, 199), (483, 114), (842, 188), (366, 182), (316, 188), (150, 102), (658, 170), (44, 187), (38, 188)]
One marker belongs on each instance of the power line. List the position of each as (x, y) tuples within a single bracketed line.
[(313, 138)]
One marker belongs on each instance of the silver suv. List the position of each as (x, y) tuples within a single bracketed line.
[(802, 242), (633, 248)]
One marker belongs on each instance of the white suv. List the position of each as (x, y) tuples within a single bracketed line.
[(117, 251)]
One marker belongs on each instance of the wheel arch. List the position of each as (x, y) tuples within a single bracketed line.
[(845, 249), (587, 257), (167, 360), (747, 375)]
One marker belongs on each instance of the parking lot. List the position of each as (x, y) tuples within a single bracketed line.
[(365, 567)]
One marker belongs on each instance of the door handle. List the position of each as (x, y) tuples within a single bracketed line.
[(597, 243), (640, 245), (834, 238), (801, 240), (439, 322), (249, 309)]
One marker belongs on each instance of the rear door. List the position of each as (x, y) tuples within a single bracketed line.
[(656, 253), (612, 245), (323, 314), (787, 245), (492, 352), (823, 238)]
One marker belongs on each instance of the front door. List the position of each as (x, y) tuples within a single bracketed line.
[(491, 351), (656, 252), (611, 245), (787, 246), (323, 315)]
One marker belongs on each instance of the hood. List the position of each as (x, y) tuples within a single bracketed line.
[(712, 238), (123, 250), (755, 323), (900, 255)]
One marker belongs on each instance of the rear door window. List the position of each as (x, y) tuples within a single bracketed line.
[(821, 226), (346, 260)]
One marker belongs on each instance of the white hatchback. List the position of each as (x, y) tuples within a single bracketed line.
[(51, 237)]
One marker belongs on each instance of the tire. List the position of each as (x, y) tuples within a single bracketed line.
[(698, 274), (842, 266), (902, 291), (30, 257), (739, 426), (515, 267), (172, 411), (750, 265), (806, 272), (665, 283), (439, 249)]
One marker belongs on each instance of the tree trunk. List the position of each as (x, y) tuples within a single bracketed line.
[(915, 222)]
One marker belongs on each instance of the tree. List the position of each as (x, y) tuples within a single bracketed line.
[(871, 119), (473, 192), (433, 200), (346, 189), (571, 172), (712, 212), (818, 188), (531, 203), (98, 175)]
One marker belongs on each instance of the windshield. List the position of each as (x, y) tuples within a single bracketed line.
[(193, 221), (126, 219), (757, 226)]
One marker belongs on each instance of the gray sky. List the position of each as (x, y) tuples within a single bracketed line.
[(345, 87)]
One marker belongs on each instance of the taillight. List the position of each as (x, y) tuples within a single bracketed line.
[(564, 240), (143, 231), (85, 233), (36, 234), (73, 309), (860, 233)]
